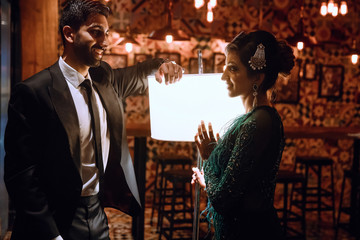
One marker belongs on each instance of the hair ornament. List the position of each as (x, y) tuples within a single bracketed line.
[(258, 61)]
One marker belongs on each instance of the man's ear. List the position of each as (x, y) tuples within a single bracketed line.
[(69, 34)]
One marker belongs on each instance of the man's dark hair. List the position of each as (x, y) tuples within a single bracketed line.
[(76, 12)]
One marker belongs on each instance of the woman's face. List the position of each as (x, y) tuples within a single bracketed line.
[(235, 76)]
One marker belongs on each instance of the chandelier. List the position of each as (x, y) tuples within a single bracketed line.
[(210, 5), (332, 7)]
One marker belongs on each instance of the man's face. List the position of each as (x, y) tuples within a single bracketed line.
[(91, 40)]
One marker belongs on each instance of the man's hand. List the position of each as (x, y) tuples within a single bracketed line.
[(169, 70)]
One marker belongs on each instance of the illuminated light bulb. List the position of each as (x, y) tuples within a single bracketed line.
[(300, 45), (335, 10), (323, 9), (210, 16), (330, 6), (212, 3), (343, 8), (128, 47), (169, 38), (354, 58), (199, 3)]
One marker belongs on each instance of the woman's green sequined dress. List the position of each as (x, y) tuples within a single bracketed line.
[(240, 177)]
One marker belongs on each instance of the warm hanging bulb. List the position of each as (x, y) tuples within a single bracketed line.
[(210, 16), (335, 10), (323, 9), (212, 3), (128, 47), (343, 8), (300, 46), (330, 6), (354, 58), (169, 38), (199, 3)]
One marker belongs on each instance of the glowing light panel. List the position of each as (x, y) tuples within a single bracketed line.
[(177, 109)]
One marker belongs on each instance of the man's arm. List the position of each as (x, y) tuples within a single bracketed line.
[(22, 162), (133, 80)]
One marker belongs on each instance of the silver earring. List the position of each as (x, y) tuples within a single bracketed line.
[(258, 61), (255, 93)]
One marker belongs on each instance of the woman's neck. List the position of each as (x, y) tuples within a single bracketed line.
[(248, 102)]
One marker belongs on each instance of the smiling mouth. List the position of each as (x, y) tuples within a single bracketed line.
[(99, 51)]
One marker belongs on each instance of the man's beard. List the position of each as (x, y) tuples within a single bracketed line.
[(85, 54)]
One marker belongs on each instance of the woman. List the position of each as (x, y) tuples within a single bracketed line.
[(240, 169)]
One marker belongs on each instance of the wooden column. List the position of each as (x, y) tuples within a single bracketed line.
[(39, 35)]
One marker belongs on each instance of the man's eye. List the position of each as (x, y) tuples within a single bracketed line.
[(96, 33)]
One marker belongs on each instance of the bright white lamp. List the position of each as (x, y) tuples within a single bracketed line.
[(177, 109)]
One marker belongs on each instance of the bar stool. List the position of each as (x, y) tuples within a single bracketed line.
[(180, 201), (316, 164), (345, 209), (162, 162), (286, 178)]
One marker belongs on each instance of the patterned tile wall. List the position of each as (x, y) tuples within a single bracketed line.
[(316, 105)]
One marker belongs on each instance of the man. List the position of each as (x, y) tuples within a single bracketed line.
[(66, 150)]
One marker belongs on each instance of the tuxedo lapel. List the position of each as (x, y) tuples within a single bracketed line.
[(66, 111), (114, 109)]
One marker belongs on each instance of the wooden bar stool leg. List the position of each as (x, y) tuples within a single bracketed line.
[(161, 208), (303, 208), (340, 207), (306, 182), (172, 216), (156, 189), (285, 214), (319, 192), (333, 194), (184, 199), (161, 195)]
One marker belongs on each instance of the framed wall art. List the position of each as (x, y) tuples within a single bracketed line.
[(288, 87), (310, 70), (331, 81), (171, 56), (140, 57), (116, 60)]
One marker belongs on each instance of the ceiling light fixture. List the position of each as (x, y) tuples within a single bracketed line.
[(332, 7), (300, 40), (167, 33), (128, 40), (210, 5)]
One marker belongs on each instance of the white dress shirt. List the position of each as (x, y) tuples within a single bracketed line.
[(89, 171)]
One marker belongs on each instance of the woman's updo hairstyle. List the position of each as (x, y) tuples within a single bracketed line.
[(278, 55)]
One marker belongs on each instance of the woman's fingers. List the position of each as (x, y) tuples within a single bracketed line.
[(204, 131), (217, 136), (211, 133)]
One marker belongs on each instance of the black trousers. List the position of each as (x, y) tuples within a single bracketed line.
[(90, 221)]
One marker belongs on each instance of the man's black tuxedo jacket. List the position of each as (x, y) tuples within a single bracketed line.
[(42, 162)]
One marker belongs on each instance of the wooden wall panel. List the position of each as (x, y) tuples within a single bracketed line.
[(39, 35)]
